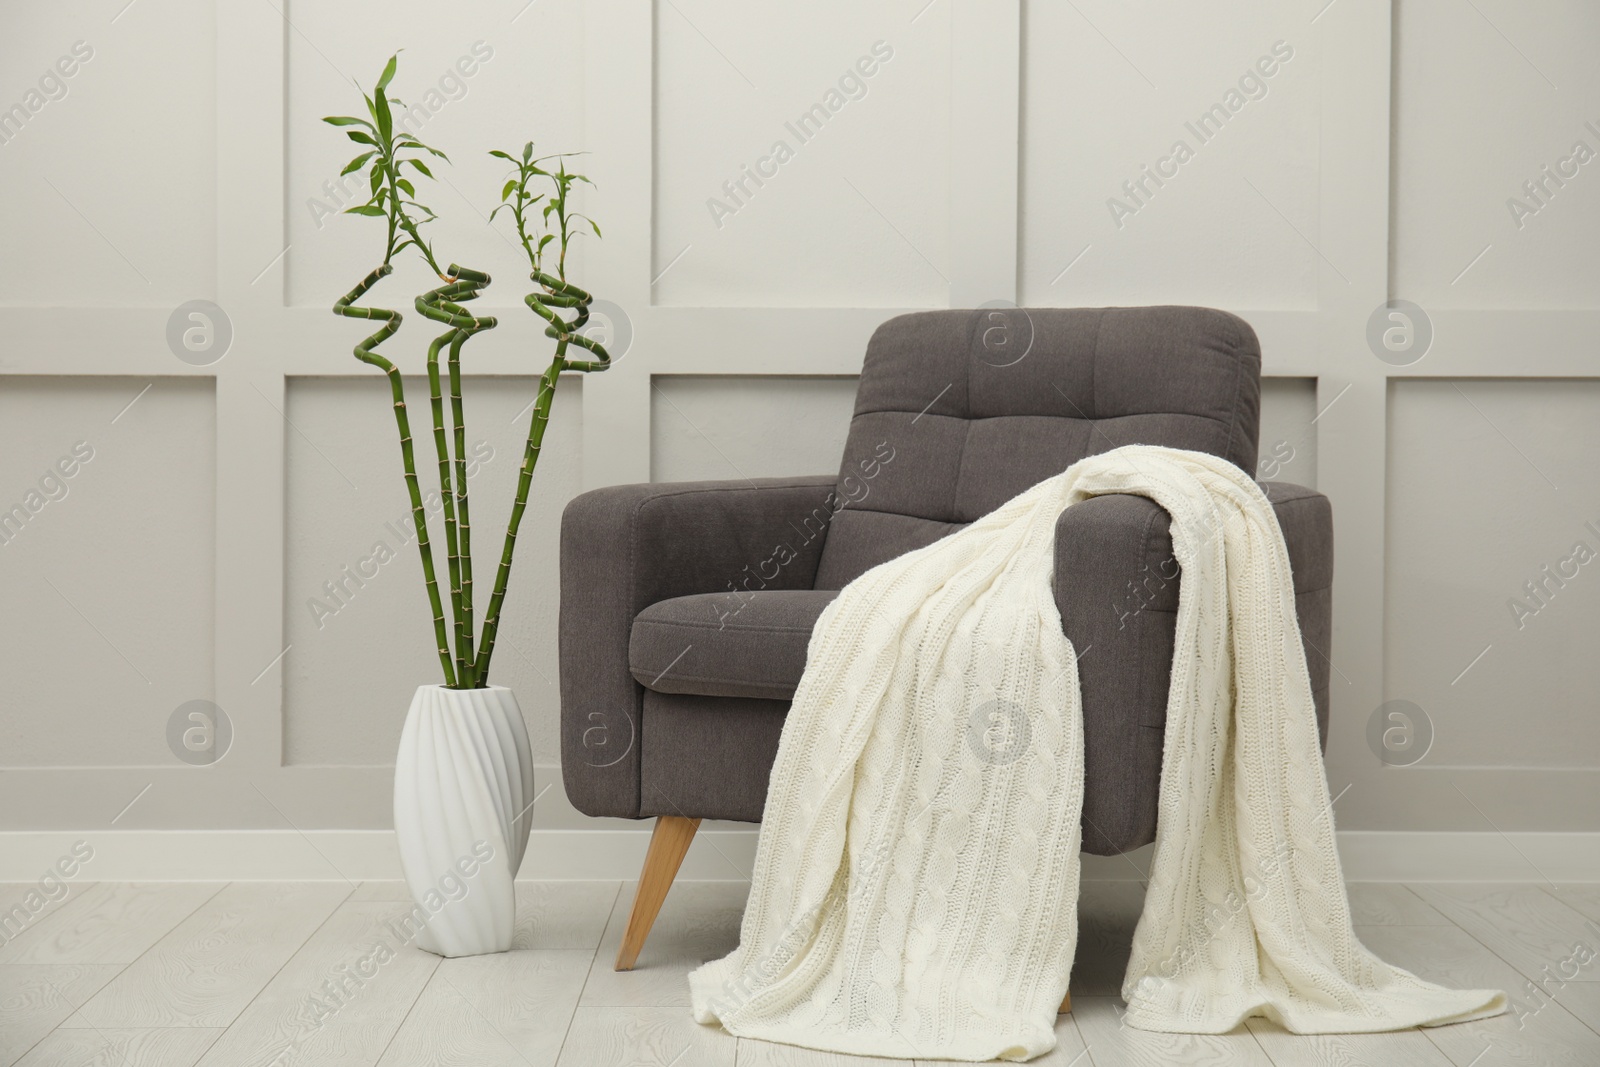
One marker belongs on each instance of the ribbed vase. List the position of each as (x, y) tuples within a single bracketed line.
[(463, 805)]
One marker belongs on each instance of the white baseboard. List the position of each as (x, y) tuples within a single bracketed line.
[(717, 855)]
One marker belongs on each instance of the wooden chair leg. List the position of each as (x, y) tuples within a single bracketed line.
[(668, 843), (1066, 1005)]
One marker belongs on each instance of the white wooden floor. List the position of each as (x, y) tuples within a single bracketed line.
[(251, 974)]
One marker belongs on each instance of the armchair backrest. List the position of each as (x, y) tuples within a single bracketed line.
[(959, 411)]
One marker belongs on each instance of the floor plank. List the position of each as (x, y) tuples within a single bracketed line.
[(1538, 1031), (1582, 999), (134, 959), (23, 905), (698, 922), (1522, 924), (666, 1036), (208, 967), (564, 915), (110, 922), (1409, 1047), (35, 999), (549, 914), (1390, 904), (1444, 954), (1581, 897), (337, 1002), (1069, 1052), (754, 1053), (506, 1010), (1113, 1044), (122, 1047)]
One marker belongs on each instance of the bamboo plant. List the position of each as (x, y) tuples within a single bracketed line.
[(393, 198), (554, 295)]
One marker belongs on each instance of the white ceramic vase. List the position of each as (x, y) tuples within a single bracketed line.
[(463, 804)]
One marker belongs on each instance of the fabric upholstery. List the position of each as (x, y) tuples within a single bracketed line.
[(731, 576), (708, 757), (1117, 588), (969, 427), (1116, 585), (754, 647), (862, 539), (626, 547)]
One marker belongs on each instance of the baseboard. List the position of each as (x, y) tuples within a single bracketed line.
[(717, 855)]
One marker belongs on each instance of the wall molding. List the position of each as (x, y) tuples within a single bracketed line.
[(718, 855), (277, 340)]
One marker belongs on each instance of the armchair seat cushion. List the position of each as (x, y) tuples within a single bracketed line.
[(725, 644)]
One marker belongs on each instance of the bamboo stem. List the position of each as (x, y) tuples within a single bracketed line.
[(444, 305), (364, 352), (463, 518), (557, 293), (442, 449), (538, 421)]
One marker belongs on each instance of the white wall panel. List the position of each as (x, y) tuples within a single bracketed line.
[(106, 571), (747, 427), (358, 652), (1110, 90), (109, 173), (1489, 96), (977, 165), (1490, 483), (1288, 451), (854, 210)]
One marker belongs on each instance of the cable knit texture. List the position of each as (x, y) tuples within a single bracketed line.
[(916, 881)]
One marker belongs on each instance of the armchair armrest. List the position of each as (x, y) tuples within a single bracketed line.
[(1116, 585), (626, 547)]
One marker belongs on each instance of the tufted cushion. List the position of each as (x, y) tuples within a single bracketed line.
[(959, 411)]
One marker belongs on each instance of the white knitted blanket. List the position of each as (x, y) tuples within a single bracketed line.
[(916, 881)]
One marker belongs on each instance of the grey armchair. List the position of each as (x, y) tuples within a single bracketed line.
[(686, 608)]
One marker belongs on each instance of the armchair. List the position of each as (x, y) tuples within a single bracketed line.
[(686, 608)]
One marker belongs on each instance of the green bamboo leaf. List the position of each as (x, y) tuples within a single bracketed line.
[(385, 119), (527, 152), (364, 209), (346, 120), (355, 164), (435, 151), (420, 166), (501, 155), (360, 138), (402, 183), (377, 178), (505, 190), (388, 71)]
